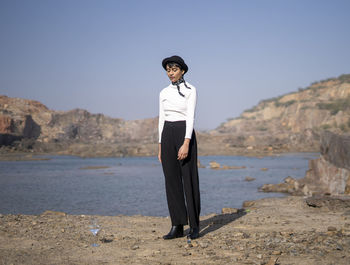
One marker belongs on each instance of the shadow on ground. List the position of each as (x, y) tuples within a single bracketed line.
[(216, 222)]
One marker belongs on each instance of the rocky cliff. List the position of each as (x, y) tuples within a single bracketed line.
[(327, 175), (29, 125), (292, 122)]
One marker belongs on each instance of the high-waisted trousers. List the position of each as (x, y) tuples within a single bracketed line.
[(181, 176)]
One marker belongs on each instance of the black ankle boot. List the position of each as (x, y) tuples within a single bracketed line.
[(194, 233), (175, 231)]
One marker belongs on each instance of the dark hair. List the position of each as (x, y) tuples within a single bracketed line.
[(172, 64)]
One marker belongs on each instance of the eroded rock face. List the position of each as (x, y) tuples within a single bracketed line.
[(329, 174), (336, 149), (292, 122), (27, 125), (5, 124)]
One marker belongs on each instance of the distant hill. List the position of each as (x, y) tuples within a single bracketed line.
[(291, 122), (28, 125), (288, 123)]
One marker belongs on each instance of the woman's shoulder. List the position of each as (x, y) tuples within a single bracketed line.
[(164, 90)]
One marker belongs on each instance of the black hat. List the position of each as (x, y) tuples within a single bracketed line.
[(175, 59)]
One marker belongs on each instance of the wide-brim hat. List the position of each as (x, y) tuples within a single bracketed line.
[(175, 59)]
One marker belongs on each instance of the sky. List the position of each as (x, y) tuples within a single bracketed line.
[(105, 56)]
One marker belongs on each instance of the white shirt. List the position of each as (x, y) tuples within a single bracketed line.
[(174, 107)]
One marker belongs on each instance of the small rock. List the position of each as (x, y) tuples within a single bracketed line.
[(238, 234), (259, 256), (214, 165), (134, 247), (276, 252), (331, 228), (54, 213), (194, 244), (339, 247), (264, 169), (203, 244), (247, 178), (229, 210), (248, 203), (272, 261), (62, 230), (107, 239), (289, 180)]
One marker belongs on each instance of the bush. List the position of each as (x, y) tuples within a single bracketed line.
[(344, 78), (325, 126), (284, 104), (343, 127), (336, 106), (253, 109)]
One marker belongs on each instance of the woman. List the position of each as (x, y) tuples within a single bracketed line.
[(178, 149)]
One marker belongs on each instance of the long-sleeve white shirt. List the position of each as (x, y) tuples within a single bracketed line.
[(174, 107)]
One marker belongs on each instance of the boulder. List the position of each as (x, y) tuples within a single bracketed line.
[(214, 165), (335, 149), (5, 124), (229, 210)]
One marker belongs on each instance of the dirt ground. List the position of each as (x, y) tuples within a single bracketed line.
[(268, 231)]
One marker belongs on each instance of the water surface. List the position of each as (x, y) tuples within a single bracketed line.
[(135, 185)]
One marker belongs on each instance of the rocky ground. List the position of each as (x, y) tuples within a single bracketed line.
[(290, 230)]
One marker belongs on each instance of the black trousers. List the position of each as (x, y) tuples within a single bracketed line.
[(181, 176)]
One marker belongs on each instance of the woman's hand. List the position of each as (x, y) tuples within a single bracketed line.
[(183, 151), (159, 153)]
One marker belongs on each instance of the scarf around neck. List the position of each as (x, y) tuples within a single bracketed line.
[(177, 84)]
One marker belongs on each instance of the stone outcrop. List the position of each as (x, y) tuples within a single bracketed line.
[(288, 123), (29, 125), (331, 172), (327, 175)]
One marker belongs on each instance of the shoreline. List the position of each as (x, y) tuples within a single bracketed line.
[(28, 156), (298, 234)]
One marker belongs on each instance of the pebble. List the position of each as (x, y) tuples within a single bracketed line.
[(247, 178), (203, 244), (229, 210), (276, 252), (134, 247), (331, 228)]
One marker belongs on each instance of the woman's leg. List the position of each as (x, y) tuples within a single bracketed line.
[(189, 169), (172, 173)]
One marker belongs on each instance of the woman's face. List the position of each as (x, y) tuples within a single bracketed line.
[(174, 73)]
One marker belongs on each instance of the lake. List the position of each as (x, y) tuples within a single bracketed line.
[(134, 185)]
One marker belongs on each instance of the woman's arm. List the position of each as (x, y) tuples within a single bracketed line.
[(191, 108), (160, 126)]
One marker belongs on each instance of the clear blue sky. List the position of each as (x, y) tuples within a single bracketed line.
[(105, 56)]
